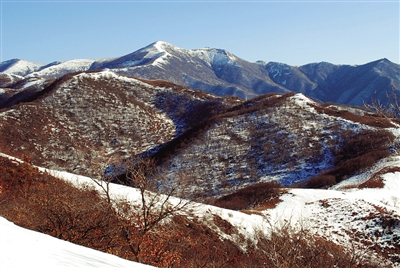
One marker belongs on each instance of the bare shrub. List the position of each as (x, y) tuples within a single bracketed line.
[(376, 180), (362, 143), (372, 183), (370, 120), (357, 153), (288, 246), (320, 182), (38, 201), (142, 223), (389, 109), (250, 196)]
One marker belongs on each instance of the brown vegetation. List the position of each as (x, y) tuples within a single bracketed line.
[(250, 196), (376, 180), (369, 120), (38, 201), (289, 247), (357, 153)]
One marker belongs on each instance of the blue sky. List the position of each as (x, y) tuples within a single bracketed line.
[(292, 32)]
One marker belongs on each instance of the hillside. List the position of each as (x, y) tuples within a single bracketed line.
[(84, 122), (87, 118), (219, 72), (21, 248), (361, 218), (285, 138)]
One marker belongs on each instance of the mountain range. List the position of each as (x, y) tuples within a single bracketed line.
[(219, 72)]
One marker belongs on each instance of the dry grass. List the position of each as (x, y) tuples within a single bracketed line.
[(373, 121)]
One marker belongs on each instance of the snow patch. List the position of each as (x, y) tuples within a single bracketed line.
[(78, 65), (212, 56), (21, 247), (23, 67)]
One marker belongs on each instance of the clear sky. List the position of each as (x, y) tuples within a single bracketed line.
[(292, 32)]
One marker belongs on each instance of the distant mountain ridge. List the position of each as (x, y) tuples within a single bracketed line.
[(219, 72)]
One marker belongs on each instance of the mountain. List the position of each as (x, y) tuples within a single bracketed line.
[(19, 67), (58, 69), (212, 70), (219, 72)]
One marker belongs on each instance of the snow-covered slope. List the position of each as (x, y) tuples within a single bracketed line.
[(104, 111), (21, 247), (63, 68), (19, 67), (360, 218), (364, 220)]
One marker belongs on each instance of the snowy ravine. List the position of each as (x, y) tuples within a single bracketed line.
[(21, 247)]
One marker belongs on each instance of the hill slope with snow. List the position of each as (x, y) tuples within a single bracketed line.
[(225, 144), (279, 159), (20, 247), (104, 115), (364, 220)]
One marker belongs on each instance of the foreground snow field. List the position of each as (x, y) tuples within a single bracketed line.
[(20, 247)]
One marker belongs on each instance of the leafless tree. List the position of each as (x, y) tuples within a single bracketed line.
[(390, 109), (141, 221), (157, 197)]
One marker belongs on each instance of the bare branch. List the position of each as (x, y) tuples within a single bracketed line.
[(391, 109)]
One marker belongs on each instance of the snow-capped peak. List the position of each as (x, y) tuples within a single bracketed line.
[(213, 56), (19, 67), (65, 67), (155, 53), (163, 46), (210, 56)]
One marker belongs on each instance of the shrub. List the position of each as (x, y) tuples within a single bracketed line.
[(289, 247), (364, 142), (320, 181), (376, 180), (357, 153), (250, 196), (38, 201)]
